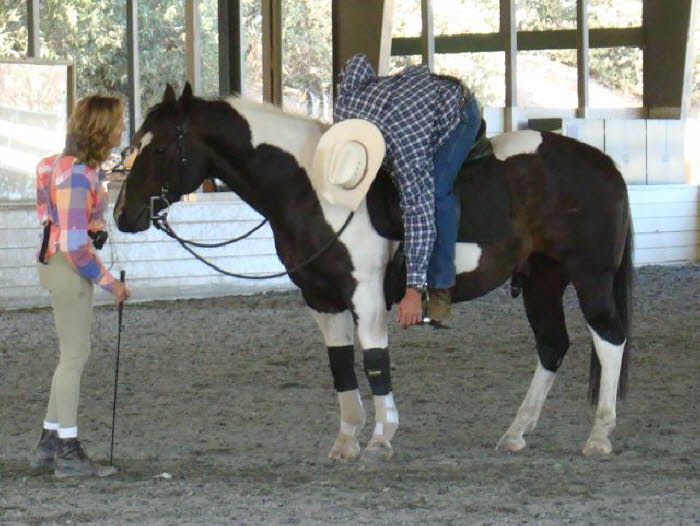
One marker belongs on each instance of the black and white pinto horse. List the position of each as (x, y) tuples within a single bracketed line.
[(568, 221)]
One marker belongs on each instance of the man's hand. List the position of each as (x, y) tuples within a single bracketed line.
[(410, 309)]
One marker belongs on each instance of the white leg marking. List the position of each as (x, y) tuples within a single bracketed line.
[(372, 316), (467, 257), (610, 356), (514, 143), (529, 412), (337, 329)]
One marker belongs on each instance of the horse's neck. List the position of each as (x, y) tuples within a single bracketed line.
[(295, 134)]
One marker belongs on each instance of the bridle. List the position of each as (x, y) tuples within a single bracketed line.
[(160, 219)]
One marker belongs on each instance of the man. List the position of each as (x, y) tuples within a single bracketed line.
[(429, 123)]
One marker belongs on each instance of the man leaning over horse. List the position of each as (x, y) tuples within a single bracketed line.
[(429, 123)]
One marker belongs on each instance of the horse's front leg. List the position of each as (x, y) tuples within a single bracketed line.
[(372, 331), (337, 332)]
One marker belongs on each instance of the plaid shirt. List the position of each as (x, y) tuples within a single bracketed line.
[(72, 198), (415, 112)]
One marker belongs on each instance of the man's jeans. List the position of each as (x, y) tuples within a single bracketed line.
[(447, 162)]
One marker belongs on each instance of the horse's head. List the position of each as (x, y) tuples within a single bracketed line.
[(181, 142)]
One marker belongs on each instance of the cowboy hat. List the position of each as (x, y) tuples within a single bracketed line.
[(346, 162)]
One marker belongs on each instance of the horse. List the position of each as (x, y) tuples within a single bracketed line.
[(564, 219)]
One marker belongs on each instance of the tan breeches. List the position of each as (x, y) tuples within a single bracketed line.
[(71, 298)]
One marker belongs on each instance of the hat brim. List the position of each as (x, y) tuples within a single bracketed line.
[(358, 130)]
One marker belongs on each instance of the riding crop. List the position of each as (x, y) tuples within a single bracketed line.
[(122, 277)]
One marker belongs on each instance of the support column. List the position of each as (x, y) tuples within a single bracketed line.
[(193, 48), (33, 28), (272, 51), (582, 62), (510, 45), (230, 59), (133, 71), (667, 33), (428, 34), (374, 40)]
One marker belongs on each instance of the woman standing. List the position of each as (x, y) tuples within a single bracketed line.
[(71, 200)]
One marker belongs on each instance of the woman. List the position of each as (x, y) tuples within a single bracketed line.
[(429, 123), (70, 203)]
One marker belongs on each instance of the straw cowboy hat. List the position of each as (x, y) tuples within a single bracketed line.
[(346, 162)]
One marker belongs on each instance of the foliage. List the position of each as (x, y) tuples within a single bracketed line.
[(92, 33)]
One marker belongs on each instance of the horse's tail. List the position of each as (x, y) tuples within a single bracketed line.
[(622, 293)]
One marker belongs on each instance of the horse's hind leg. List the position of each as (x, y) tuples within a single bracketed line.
[(337, 332), (597, 302), (542, 295)]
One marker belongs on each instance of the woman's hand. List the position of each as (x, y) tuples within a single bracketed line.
[(120, 292), (410, 309)]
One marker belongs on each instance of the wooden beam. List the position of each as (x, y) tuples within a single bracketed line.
[(527, 41), (133, 71), (230, 48), (582, 63), (33, 28), (272, 51), (427, 34), (193, 47)]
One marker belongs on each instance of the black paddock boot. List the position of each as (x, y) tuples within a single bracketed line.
[(42, 458), (72, 461)]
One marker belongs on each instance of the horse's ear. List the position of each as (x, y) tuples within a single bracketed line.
[(186, 97), (169, 95)]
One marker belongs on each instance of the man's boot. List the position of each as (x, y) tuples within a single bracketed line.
[(42, 458), (439, 305), (71, 461)]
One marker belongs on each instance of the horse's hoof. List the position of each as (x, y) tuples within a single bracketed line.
[(511, 444), (597, 446), (345, 448), (378, 451)]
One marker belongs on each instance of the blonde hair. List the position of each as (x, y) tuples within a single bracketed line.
[(92, 122)]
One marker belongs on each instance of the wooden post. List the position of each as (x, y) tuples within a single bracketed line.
[(582, 62), (193, 39), (272, 51), (133, 71), (509, 36), (428, 34)]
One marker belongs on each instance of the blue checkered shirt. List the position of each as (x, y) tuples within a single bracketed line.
[(415, 112)]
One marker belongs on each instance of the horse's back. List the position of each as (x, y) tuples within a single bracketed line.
[(572, 198)]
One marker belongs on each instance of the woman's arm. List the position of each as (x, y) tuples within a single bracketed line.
[(74, 208)]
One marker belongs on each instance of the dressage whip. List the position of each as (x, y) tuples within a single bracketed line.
[(122, 277)]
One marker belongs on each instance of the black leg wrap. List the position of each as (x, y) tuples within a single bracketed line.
[(378, 370), (342, 361)]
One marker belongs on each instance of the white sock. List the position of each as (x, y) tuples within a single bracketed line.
[(51, 426), (68, 432)]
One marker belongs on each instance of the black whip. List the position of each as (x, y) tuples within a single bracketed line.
[(122, 277)]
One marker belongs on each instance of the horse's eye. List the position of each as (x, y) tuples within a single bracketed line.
[(160, 150)]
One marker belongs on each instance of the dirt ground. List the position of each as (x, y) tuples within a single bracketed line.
[(233, 397)]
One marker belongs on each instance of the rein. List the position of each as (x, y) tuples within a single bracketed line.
[(160, 221)]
